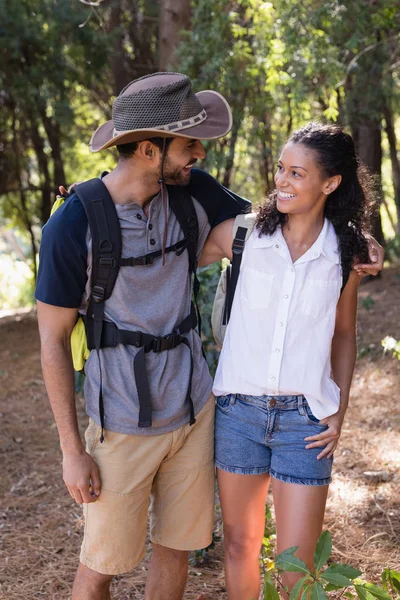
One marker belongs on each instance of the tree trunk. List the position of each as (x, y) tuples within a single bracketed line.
[(364, 103), (391, 134), (23, 209), (117, 59), (43, 164), (174, 18)]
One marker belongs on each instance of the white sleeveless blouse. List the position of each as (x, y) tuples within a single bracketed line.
[(279, 336)]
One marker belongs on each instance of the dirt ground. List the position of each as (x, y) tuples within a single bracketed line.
[(40, 526)]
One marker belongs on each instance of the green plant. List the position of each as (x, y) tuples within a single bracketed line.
[(208, 278), (315, 584), (368, 302), (392, 248)]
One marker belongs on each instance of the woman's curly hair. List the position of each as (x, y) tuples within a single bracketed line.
[(350, 207)]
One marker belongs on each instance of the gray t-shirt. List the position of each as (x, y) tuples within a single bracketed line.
[(153, 299)]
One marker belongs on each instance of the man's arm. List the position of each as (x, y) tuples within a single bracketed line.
[(80, 473), (218, 244)]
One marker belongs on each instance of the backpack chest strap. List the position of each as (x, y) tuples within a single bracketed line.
[(111, 336)]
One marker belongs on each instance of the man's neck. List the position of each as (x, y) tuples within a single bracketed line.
[(129, 185)]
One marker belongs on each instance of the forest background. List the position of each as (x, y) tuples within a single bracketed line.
[(279, 64)]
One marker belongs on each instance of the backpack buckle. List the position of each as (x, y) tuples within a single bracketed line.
[(238, 245), (98, 293), (108, 262)]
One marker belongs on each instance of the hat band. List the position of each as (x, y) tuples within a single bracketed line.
[(178, 125)]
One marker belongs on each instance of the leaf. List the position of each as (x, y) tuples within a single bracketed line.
[(288, 562), (345, 570), (392, 578), (362, 593), (335, 578), (317, 592), (348, 595), (323, 550), (377, 591), (332, 588), (297, 588), (270, 591), (306, 591)]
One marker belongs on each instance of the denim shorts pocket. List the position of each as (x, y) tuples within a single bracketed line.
[(226, 403), (311, 418)]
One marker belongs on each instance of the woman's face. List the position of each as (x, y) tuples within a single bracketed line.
[(299, 182)]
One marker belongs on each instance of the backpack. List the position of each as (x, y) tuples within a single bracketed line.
[(221, 312), (91, 331)]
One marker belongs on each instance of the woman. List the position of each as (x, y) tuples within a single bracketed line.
[(285, 370)]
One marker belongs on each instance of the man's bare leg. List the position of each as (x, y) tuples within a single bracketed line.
[(166, 578), (90, 585)]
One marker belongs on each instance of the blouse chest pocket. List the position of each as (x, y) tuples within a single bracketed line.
[(319, 298), (256, 287)]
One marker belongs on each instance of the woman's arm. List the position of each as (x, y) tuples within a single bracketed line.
[(343, 358), (344, 346), (218, 244)]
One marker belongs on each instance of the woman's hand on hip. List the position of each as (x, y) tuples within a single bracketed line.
[(328, 438)]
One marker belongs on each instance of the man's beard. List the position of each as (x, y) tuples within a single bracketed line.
[(173, 174)]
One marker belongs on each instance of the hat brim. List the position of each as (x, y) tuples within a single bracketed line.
[(217, 124)]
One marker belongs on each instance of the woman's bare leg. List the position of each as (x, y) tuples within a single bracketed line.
[(299, 513), (243, 511)]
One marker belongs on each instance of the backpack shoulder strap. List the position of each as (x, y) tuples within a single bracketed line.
[(182, 206), (247, 221), (106, 251), (242, 229), (106, 236)]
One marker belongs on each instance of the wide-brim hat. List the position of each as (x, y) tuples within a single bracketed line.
[(163, 105)]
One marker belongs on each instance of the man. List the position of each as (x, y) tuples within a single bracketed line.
[(157, 126)]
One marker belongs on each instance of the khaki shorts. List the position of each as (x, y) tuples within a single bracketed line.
[(173, 471)]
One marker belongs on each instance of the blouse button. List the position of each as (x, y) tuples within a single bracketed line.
[(272, 378), (150, 226), (152, 242), (286, 296), (139, 216)]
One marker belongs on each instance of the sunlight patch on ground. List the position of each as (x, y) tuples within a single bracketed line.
[(347, 493)]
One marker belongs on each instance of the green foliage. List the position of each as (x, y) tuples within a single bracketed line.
[(316, 583), (208, 278), (368, 302), (392, 248)]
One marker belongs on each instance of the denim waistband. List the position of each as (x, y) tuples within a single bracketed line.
[(273, 402)]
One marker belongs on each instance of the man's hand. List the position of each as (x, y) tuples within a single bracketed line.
[(328, 438), (81, 476), (376, 256)]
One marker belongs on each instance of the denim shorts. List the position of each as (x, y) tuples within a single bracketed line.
[(265, 434)]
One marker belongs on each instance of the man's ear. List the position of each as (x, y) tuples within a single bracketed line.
[(147, 150), (332, 184)]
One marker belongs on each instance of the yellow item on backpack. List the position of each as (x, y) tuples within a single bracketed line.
[(80, 351)]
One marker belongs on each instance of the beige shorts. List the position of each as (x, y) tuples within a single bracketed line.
[(173, 471)]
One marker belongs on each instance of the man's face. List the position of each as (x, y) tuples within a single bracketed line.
[(182, 154)]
